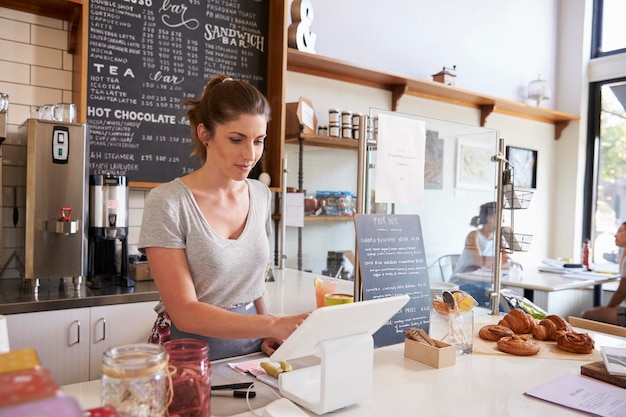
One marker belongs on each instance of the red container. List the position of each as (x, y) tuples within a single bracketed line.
[(191, 377), (28, 385)]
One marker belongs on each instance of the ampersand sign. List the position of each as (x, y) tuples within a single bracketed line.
[(299, 32)]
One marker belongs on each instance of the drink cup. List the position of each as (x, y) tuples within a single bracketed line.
[(333, 299), (324, 286), (64, 112)]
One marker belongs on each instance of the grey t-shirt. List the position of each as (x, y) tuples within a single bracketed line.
[(225, 272)]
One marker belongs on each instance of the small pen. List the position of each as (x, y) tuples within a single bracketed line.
[(236, 394), (240, 385)]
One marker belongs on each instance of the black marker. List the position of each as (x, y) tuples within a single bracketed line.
[(240, 385), (236, 394)]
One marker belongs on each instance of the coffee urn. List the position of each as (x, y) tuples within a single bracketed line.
[(56, 195), (108, 230)]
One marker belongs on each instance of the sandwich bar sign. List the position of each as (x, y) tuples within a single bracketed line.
[(145, 57)]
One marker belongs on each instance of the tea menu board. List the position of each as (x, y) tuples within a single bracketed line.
[(144, 58), (393, 262)]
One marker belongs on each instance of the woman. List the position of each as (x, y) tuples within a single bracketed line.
[(614, 313), (206, 235), (479, 253)]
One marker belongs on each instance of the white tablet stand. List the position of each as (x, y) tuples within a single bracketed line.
[(342, 336)]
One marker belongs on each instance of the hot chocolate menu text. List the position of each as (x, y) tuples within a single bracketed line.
[(145, 58)]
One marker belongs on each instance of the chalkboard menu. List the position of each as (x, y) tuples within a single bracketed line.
[(393, 262), (144, 58)]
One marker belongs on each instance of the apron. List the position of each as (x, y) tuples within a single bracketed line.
[(218, 348)]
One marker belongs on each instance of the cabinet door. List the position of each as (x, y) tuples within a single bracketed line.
[(118, 324), (60, 337)]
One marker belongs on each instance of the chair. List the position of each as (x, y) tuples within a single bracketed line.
[(446, 265)]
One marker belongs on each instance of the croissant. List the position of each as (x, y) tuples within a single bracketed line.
[(494, 332), (519, 321), (551, 327), (575, 342)]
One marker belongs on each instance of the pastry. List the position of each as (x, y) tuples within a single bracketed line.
[(519, 321), (494, 332), (551, 327), (518, 345), (575, 342)]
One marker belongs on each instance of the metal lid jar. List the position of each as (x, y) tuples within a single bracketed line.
[(135, 380), (191, 377)]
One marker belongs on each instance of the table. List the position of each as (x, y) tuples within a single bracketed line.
[(534, 280), (478, 385)]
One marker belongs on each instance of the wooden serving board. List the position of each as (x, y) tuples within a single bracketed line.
[(548, 349), (598, 371)]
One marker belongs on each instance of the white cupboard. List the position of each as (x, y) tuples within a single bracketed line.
[(70, 342)]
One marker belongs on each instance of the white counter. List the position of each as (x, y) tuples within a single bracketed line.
[(480, 385)]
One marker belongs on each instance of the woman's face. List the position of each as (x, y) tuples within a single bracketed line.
[(620, 237), (236, 146)]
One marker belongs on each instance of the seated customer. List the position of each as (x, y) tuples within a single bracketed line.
[(479, 253), (613, 313)]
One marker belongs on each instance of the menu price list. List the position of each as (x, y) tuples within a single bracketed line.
[(146, 57), (393, 262)]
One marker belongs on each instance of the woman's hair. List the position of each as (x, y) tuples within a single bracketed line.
[(222, 100), (486, 210)]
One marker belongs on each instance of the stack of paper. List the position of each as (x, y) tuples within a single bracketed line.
[(614, 360)]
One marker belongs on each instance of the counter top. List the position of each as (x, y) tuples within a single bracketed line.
[(19, 296)]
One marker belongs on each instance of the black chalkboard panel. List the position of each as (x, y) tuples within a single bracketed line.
[(144, 58), (393, 262)]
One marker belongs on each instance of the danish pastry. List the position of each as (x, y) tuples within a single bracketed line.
[(551, 327), (575, 342), (494, 332), (519, 321), (518, 345)]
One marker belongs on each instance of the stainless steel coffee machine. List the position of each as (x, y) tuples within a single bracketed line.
[(108, 230), (56, 195)]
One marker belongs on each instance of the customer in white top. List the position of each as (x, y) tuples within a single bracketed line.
[(479, 253)]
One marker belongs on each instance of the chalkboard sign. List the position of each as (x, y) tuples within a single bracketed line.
[(393, 262), (144, 58)]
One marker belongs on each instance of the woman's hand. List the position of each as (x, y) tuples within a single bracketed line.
[(283, 327)]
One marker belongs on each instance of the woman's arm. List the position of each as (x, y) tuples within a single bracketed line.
[(619, 295), (173, 280)]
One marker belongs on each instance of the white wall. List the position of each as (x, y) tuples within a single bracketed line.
[(498, 46)]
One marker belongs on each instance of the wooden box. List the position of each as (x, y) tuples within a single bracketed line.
[(300, 118), (437, 357), (139, 271)]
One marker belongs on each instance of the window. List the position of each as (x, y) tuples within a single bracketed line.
[(609, 148), (605, 182), (609, 29)]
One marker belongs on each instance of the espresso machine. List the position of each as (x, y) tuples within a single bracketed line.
[(108, 231), (56, 194)]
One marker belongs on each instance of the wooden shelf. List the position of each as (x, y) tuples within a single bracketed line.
[(316, 65), (323, 141)]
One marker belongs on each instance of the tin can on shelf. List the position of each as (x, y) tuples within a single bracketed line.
[(191, 377), (135, 380), (334, 130), (346, 118), (322, 131), (346, 132), (333, 117)]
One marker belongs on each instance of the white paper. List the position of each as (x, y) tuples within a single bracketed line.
[(583, 394), (614, 360), (400, 160), (4, 335), (294, 210)]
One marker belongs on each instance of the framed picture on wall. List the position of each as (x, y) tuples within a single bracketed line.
[(524, 164), (474, 169)]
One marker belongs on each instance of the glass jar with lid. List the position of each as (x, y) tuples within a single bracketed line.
[(135, 380), (191, 377)]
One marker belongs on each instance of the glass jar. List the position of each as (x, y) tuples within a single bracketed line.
[(191, 377), (135, 380)]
